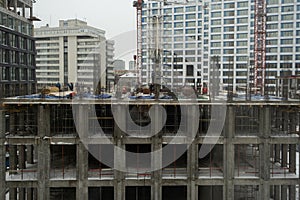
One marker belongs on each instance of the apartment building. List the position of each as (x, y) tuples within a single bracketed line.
[(193, 34), (73, 53)]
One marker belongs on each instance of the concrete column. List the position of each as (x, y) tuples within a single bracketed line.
[(277, 152), (284, 192), (13, 194), (192, 160), (82, 155), (82, 172), (156, 160), (13, 158), (29, 193), (284, 151), (29, 154), (156, 189), (22, 194), (2, 155), (292, 192), (119, 162), (43, 153), (119, 158), (22, 164), (292, 153), (229, 154), (264, 151), (276, 192)]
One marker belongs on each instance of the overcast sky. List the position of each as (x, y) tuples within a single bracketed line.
[(116, 17), (113, 16)]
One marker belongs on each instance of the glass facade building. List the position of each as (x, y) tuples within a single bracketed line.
[(17, 49)]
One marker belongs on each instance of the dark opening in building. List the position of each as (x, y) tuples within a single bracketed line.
[(100, 160), (210, 192), (62, 193), (212, 163), (138, 160), (190, 70), (63, 161), (174, 192), (138, 193), (101, 193), (178, 163)]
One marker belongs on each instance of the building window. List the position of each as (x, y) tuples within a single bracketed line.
[(178, 10), (216, 14), (286, 33), (242, 20), (287, 8), (286, 41), (190, 16), (287, 17), (242, 4), (215, 22), (189, 70)]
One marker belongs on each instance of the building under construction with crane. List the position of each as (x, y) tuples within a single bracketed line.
[(253, 43), (251, 130)]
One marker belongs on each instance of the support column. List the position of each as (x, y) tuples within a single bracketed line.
[(29, 154), (21, 159), (22, 194), (82, 155), (29, 193), (192, 153), (229, 154), (119, 158), (264, 151), (284, 192), (276, 192), (12, 193), (2, 155), (82, 172), (43, 153), (156, 160), (156, 189), (192, 160)]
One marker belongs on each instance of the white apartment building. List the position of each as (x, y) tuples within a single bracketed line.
[(193, 34), (73, 53)]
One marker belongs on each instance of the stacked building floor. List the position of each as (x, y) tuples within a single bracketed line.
[(255, 157)]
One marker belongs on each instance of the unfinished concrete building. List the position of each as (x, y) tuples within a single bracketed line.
[(255, 157)]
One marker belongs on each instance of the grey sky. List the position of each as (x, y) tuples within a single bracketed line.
[(113, 16)]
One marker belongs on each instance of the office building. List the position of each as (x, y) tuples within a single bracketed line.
[(17, 48)]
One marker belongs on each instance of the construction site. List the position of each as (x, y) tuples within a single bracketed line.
[(48, 156), (220, 144)]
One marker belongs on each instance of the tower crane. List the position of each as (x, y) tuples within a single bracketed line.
[(139, 5), (260, 46)]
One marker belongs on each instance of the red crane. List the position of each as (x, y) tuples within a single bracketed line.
[(260, 46), (139, 5)]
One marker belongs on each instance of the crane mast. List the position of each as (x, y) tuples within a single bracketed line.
[(260, 46), (139, 5)]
